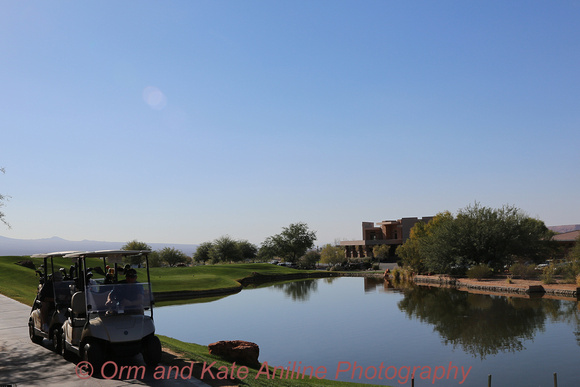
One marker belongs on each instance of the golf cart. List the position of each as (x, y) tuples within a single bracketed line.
[(109, 317), (53, 298)]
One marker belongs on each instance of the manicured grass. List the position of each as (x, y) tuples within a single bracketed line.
[(20, 283), (165, 279), (200, 353)]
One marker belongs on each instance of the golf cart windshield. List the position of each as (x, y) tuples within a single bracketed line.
[(126, 298)]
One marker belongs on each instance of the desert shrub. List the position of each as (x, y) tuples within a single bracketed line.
[(396, 275), (548, 274), (523, 271), (479, 271), (569, 270)]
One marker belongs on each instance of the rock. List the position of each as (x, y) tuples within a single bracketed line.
[(242, 352), (27, 263)]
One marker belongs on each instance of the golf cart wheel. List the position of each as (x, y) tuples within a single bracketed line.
[(35, 339), (56, 336), (94, 353), (65, 352), (151, 350)]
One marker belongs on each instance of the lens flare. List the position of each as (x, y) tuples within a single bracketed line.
[(154, 98)]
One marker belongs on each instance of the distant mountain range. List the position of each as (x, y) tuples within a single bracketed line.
[(11, 246), (563, 229)]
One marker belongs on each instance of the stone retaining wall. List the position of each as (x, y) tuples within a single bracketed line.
[(498, 288)]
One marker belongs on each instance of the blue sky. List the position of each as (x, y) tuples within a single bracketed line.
[(182, 121)]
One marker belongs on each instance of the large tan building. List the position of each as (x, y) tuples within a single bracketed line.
[(388, 232)]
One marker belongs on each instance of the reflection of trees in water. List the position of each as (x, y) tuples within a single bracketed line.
[(330, 280), (298, 290), (569, 312), (482, 325)]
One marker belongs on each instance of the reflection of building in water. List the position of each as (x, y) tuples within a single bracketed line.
[(388, 232)]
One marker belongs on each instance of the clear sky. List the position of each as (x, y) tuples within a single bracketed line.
[(182, 121)]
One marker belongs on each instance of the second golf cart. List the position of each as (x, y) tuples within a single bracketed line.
[(110, 317), (49, 310)]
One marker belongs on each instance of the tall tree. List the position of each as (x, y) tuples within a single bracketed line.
[(173, 256), (247, 250), (268, 250), (135, 245), (202, 252), (477, 235), (293, 241), (225, 249)]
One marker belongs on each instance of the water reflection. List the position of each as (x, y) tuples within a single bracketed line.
[(298, 290), (371, 284), (485, 325)]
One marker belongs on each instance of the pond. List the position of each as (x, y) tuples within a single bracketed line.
[(363, 330)]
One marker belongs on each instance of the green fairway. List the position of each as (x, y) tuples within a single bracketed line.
[(20, 283)]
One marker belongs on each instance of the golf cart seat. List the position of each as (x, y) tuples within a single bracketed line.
[(78, 309)]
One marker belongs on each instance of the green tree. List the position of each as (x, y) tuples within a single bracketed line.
[(202, 252), (2, 200), (137, 246), (409, 252), (332, 255), (225, 249), (155, 259), (497, 236), (292, 242), (477, 235), (267, 251), (574, 253), (247, 250), (572, 267), (308, 260), (381, 251), (173, 256)]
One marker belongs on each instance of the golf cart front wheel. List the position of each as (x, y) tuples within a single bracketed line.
[(151, 350), (35, 339), (93, 352), (56, 337)]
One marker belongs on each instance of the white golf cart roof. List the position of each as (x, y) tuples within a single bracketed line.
[(55, 254), (106, 253)]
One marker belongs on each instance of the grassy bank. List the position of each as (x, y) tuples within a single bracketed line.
[(254, 378), (20, 283)]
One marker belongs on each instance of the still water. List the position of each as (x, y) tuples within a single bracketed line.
[(333, 323)]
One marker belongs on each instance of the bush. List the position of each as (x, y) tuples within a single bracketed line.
[(523, 271), (479, 271), (548, 274), (396, 275)]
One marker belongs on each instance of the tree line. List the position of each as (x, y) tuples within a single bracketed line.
[(477, 235), (292, 245)]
